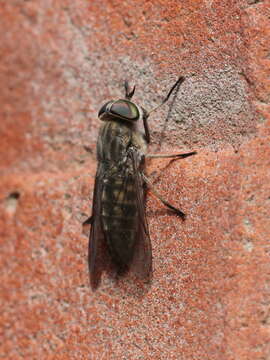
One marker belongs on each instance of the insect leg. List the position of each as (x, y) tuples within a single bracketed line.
[(146, 127), (88, 221), (179, 156), (150, 185), (86, 225), (147, 113), (177, 84)]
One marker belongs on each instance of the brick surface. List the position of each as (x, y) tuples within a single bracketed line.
[(209, 298)]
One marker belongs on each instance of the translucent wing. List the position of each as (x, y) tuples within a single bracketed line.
[(118, 223), (96, 239), (123, 218), (142, 261)]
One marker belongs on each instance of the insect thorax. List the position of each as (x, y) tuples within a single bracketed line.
[(116, 139)]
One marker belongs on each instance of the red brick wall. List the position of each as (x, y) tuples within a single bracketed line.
[(60, 60)]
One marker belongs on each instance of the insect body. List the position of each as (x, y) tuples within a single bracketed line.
[(118, 221)]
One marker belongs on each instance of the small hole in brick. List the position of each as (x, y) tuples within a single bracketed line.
[(12, 202)]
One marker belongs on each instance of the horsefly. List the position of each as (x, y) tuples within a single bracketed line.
[(118, 221)]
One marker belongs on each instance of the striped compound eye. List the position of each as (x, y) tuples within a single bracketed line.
[(104, 109), (123, 109)]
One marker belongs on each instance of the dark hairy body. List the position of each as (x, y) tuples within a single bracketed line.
[(118, 222), (118, 145)]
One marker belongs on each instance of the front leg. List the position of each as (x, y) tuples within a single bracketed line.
[(145, 125)]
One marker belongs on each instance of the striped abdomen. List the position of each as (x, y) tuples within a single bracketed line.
[(119, 218), (119, 200)]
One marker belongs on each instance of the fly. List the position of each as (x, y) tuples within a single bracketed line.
[(118, 221)]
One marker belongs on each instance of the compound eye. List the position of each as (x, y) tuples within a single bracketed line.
[(103, 109), (125, 109)]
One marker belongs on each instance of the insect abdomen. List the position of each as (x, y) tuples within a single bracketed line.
[(119, 219)]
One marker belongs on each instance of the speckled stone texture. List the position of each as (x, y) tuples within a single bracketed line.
[(210, 293)]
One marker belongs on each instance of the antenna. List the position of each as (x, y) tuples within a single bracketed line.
[(129, 93)]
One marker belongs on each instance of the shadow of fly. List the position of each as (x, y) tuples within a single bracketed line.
[(119, 229)]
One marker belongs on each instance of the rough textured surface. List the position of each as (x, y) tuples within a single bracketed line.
[(210, 294)]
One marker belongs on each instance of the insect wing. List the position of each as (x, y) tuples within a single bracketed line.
[(124, 222), (142, 261), (96, 238)]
